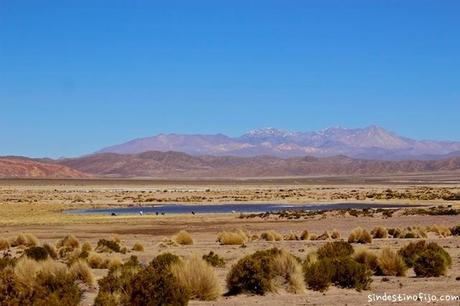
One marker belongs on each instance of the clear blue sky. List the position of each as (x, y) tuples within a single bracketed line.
[(76, 76)]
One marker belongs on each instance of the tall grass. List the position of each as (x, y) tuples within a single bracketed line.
[(198, 277), (183, 238), (237, 237)]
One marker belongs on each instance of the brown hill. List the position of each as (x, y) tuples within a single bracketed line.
[(18, 167), (175, 164)]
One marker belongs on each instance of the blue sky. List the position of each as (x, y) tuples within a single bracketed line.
[(76, 76)]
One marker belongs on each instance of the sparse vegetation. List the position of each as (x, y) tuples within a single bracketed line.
[(271, 236), (335, 249), (138, 247), (369, 259), (214, 259), (37, 253), (237, 237), (4, 244), (183, 238), (379, 232), (104, 245)]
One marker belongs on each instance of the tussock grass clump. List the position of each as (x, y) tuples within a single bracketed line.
[(271, 236), (70, 242), (335, 249), (96, 261), (51, 250), (237, 237), (288, 271), (113, 262), (395, 232), (138, 247), (291, 236), (265, 271), (214, 259), (183, 238), (440, 230), (108, 246), (4, 244), (390, 263), (359, 235), (81, 271), (86, 247), (335, 234), (27, 240), (37, 253), (305, 235), (369, 259), (198, 277), (379, 232), (46, 282)]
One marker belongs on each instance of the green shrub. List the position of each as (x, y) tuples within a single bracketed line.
[(369, 259), (318, 275), (350, 274), (253, 273), (335, 249), (37, 253), (413, 250), (214, 260), (430, 263), (156, 285)]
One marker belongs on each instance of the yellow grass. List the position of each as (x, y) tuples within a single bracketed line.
[(271, 236), (391, 263), (359, 235), (199, 277), (237, 237), (183, 238), (80, 270), (290, 273)]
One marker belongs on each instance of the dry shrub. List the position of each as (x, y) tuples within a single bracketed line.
[(27, 240), (237, 237), (318, 274), (440, 230), (183, 238), (324, 236), (138, 247), (4, 244), (265, 271), (431, 263), (288, 271), (305, 235), (291, 236), (113, 262), (367, 258), (395, 232), (86, 247), (455, 230), (37, 253), (38, 283), (214, 259), (198, 277), (271, 236), (379, 232), (69, 241), (335, 234), (359, 235), (108, 246), (96, 261), (81, 271), (52, 252), (335, 249), (390, 263), (313, 236)]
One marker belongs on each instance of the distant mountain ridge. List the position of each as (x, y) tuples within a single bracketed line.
[(372, 142), (176, 164)]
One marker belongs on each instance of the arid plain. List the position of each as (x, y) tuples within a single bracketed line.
[(37, 207)]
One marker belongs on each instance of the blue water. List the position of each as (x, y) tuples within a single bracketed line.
[(226, 208)]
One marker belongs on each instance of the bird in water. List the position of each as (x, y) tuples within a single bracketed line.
[(141, 213), (193, 213)]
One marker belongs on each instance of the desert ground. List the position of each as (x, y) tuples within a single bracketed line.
[(37, 207)]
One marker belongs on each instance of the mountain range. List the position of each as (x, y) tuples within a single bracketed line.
[(372, 142), (259, 153)]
